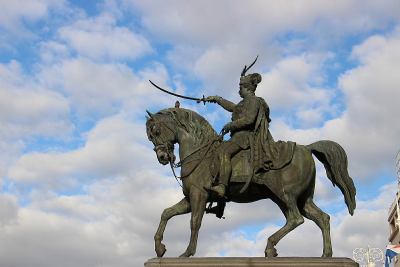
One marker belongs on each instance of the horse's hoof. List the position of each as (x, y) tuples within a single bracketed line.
[(186, 255), (327, 255), (160, 250), (271, 252)]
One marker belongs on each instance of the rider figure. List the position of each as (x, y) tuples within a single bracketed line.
[(249, 129)]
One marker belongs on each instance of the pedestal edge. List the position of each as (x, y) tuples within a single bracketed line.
[(250, 262)]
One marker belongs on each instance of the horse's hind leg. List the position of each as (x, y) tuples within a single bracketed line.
[(293, 219), (181, 207), (312, 212)]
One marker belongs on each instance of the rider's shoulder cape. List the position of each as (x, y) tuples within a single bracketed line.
[(268, 154)]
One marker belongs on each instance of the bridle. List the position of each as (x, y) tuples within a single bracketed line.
[(163, 144), (169, 148)]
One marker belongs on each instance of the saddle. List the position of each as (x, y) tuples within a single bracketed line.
[(242, 167)]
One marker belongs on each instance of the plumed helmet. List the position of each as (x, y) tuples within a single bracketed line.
[(254, 78)]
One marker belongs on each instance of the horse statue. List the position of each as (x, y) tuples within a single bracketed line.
[(291, 188)]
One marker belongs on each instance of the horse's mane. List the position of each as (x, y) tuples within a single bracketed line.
[(189, 120)]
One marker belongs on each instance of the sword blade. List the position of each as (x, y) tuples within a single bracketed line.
[(175, 94)]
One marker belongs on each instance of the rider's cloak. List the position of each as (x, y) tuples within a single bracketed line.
[(266, 153)]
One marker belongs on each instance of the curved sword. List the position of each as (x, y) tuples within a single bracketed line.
[(198, 100)]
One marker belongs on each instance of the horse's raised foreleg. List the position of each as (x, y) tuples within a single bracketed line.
[(181, 207), (312, 212), (198, 199), (293, 219)]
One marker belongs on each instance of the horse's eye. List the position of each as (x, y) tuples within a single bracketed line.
[(155, 131)]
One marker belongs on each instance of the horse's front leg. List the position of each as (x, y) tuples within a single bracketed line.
[(198, 199), (181, 207)]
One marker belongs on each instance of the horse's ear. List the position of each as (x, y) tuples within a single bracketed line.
[(150, 114)]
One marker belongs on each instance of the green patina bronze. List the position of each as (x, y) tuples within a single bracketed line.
[(250, 166)]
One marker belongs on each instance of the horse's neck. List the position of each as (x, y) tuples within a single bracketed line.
[(188, 144)]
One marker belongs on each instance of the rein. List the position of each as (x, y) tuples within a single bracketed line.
[(181, 162)]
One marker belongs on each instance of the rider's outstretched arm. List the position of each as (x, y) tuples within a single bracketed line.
[(226, 104)]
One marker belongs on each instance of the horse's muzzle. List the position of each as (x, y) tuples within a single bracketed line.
[(163, 157)]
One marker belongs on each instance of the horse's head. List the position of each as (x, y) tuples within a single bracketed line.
[(162, 133), (176, 125)]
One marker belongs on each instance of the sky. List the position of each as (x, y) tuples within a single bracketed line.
[(79, 182)]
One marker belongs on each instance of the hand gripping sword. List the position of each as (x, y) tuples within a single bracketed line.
[(198, 100)]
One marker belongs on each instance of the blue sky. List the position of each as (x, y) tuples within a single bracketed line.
[(77, 169)]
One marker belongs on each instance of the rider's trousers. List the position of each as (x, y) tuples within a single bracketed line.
[(228, 150)]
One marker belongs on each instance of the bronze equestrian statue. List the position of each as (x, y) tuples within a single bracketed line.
[(250, 166)]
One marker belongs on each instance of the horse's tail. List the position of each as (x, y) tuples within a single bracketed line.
[(334, 158)]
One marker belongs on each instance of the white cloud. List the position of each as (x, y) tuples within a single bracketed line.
[(112, 224), (369, 126), (52, 51), (48, 240), (215, 39), (290, 85), (100, 38), (255, 21), (220, 66), (101, 89), (14, 13), (26, 108), (112, 149), (10, 151), (8, 210)]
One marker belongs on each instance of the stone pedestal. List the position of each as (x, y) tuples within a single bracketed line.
[(251, 262)]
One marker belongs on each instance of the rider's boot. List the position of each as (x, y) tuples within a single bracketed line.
[(217, 210), (224, 175), (220, 189)]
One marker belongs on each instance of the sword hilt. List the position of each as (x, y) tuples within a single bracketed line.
[(203, 99)]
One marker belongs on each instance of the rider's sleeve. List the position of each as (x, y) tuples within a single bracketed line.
[(226, 104), (249, 117)]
